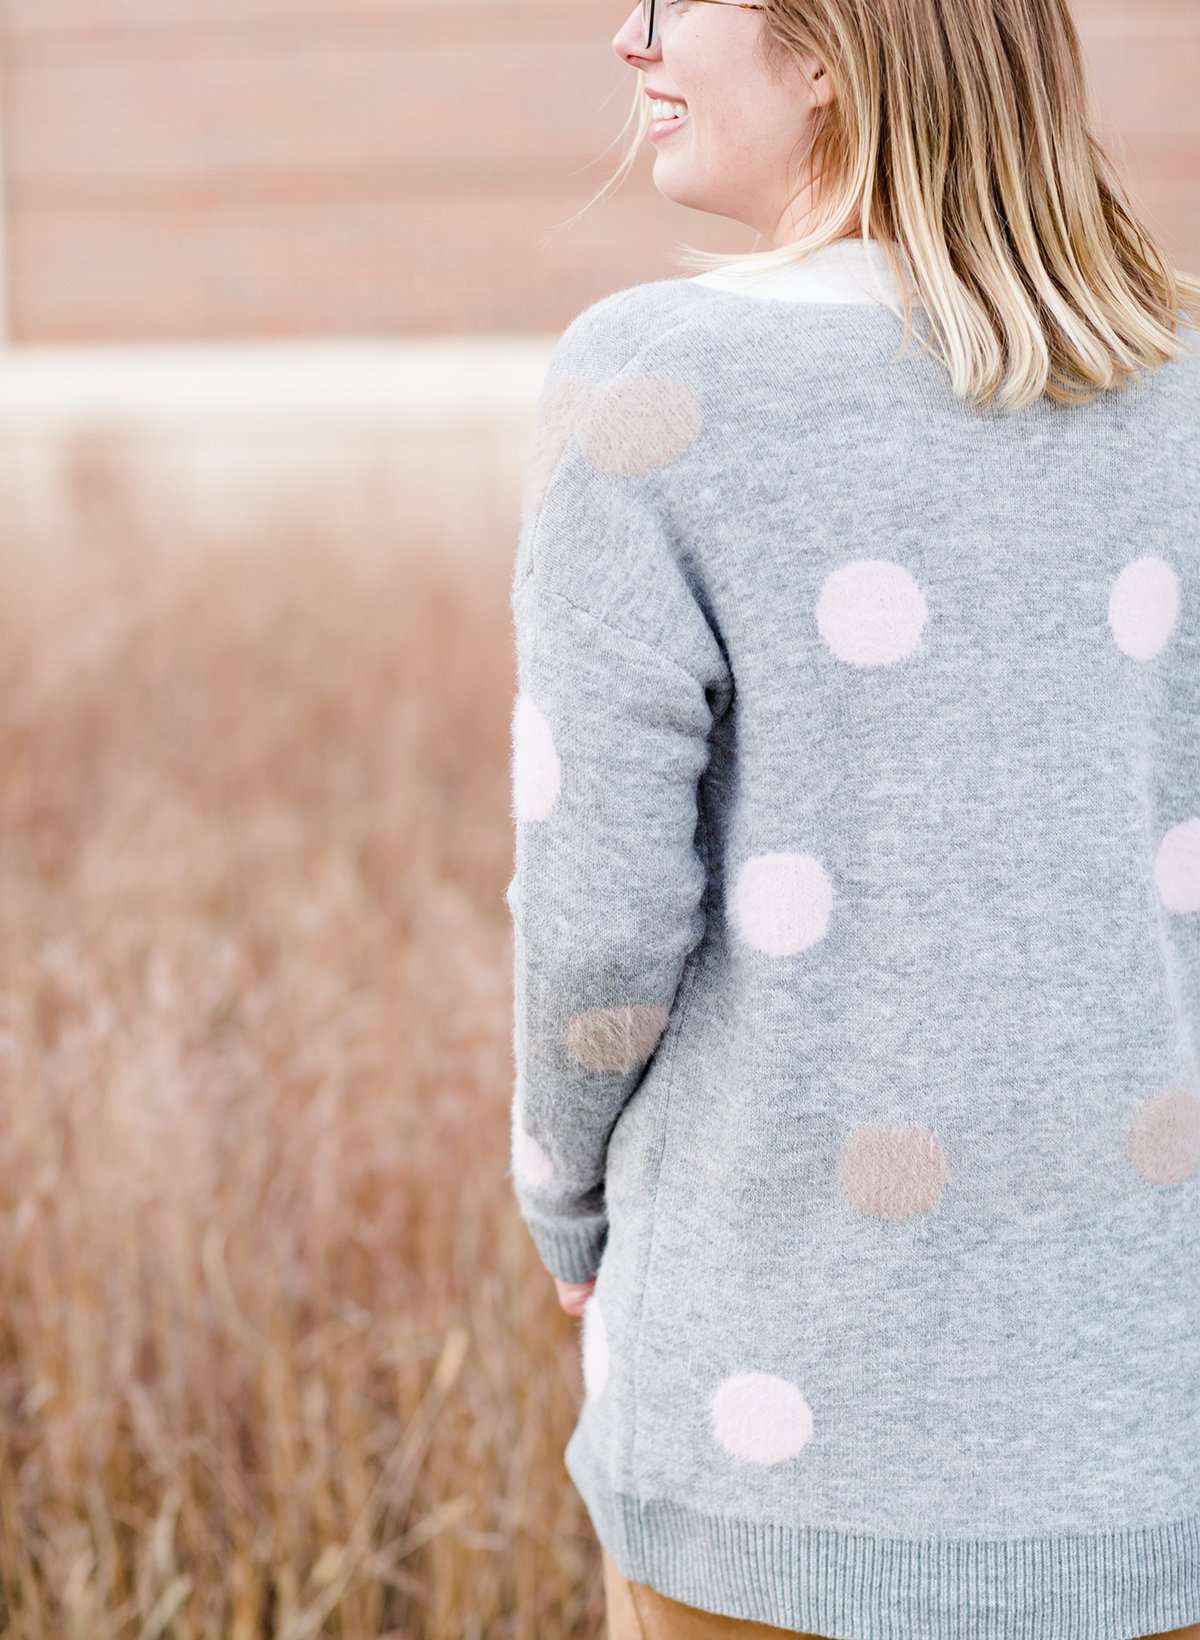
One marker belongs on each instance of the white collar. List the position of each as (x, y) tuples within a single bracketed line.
[(847, 270)]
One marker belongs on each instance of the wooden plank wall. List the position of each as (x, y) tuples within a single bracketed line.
[(237, 168)]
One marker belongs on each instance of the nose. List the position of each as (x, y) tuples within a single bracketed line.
[(629, 42)]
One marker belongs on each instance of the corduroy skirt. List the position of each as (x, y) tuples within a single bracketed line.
[(638, 1612)]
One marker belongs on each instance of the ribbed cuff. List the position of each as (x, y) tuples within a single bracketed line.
[(569, 1248)]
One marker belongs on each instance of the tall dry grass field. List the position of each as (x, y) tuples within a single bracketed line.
[(276, 1355)]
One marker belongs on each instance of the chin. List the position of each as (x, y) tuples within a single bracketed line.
[(678, 195), (675, 187)]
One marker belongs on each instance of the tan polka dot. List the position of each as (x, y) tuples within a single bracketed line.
[(892, 1170), (637, 424), (1163, 1141), (562, 401), (615, 1039)]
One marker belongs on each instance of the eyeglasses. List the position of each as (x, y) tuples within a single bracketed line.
[(652, 8)]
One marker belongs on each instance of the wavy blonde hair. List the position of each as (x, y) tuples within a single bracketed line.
[(959, 135)]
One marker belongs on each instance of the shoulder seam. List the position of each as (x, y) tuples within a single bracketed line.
[(647, 342), (640, 644), (660, 336)]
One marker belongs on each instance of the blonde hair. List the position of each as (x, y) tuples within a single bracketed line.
[(959, 136)]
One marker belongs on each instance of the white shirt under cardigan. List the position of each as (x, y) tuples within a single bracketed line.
[(846, 271), (856, 911)]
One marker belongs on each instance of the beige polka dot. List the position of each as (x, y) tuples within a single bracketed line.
[(893, 1170), (615, 1039), (637, 424), (561, 403), (1163, 1141), (536, 773)]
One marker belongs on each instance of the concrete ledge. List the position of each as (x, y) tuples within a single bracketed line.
[(425, 376), (425, 439)]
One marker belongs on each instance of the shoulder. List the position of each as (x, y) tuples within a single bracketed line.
[(619, 327), (697, 328)]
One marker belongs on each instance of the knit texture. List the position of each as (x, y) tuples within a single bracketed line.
[(856, 931)]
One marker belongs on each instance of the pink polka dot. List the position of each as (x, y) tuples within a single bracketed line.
[(893, 1170), (615, 1039), (536, 773), (638, 423), (781, 902), (1143, 607), (594, 1348), (530, 1162), (1177, 867), (761, 1417), (871, 612), (1163, 1141)]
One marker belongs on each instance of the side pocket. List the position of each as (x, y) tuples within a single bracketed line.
[(661, 1061), (675, 1025)]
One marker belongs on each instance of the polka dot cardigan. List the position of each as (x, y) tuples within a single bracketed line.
[(856, 931)]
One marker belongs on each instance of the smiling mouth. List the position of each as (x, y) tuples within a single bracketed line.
[(663, 127)]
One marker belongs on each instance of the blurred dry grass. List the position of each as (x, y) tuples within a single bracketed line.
[(276, 1356)]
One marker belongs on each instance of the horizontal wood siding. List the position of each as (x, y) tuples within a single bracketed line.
[(203, 168)]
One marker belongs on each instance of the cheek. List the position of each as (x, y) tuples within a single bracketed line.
[(778, 129), (733, 129), (726, 113)]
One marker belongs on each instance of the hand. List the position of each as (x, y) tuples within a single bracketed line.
[(573, 1295)]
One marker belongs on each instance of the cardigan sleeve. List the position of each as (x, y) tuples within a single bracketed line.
[(618, 681)]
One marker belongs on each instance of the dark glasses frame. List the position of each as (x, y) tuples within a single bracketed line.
[(651, 10)]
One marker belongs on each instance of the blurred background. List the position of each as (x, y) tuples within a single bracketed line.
[(278, 283)]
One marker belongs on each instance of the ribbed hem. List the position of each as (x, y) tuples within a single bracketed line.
[(853, 1586), (570, 1249)]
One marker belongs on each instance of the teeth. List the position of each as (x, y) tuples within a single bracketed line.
[(666, 110)]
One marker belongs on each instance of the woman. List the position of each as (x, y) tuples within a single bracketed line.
[(856, 903)]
